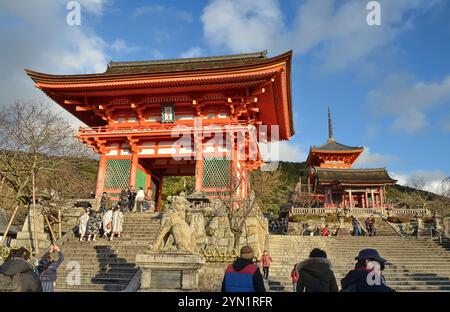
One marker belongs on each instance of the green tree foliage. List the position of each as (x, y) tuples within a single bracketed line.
[(176, 185)]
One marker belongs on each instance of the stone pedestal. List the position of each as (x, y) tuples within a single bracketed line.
[(169, 270), (25, 236)]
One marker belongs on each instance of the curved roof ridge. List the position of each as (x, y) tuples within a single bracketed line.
[(260, 54), (352, 169), (334, 145)]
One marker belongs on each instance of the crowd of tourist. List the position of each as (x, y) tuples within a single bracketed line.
[(281, 225), (107, 222), (132, 201), (310, 275)]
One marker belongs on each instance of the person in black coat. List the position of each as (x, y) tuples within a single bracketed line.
[(315, 274), (367, 276), (17, 274)]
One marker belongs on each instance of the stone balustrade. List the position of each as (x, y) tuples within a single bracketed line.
[(360, 211)]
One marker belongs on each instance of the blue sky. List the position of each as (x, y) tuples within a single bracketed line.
[(388, 86)]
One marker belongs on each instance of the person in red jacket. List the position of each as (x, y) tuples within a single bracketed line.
[(294, 277), (325, 231), (266, 261)]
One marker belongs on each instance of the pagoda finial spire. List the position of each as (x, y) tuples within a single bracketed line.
[(330, 127)]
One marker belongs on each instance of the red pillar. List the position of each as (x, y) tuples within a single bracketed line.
[(101, 176), (198, 149), (199, 175), (133, 170)]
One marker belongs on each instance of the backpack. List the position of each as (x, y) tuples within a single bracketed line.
[(9, 283)]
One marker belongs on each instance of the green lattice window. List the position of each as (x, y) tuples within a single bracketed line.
[(141, 179), (216, 172), (117, 173)]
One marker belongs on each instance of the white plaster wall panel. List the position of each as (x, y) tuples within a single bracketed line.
[(147, 151), (184, 117), (113, 153), (167, 150)]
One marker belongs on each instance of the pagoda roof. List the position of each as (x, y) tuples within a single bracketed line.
[(376, 176), (248, 71), (334, 146), (186, 64)]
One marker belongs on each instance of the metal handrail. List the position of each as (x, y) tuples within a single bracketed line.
[(440, 233)]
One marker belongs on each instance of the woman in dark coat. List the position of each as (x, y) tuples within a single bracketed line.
[(315, 274)]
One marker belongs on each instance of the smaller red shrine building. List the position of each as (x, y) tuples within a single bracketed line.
[(335, 184)]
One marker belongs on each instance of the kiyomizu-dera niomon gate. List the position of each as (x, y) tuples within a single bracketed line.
[(183, 117)]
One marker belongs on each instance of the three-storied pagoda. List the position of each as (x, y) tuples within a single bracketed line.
[(159, 118), (335, 184)]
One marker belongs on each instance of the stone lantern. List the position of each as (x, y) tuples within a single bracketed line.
[(341, 219)]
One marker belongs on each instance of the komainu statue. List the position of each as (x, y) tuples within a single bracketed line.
[(174, 227)]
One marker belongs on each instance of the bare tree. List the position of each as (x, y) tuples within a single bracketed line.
[(34, 141), (444, 191), (237, 208), (422, 196)]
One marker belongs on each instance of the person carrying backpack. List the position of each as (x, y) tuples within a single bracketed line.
[(315, 274), (17, 274)]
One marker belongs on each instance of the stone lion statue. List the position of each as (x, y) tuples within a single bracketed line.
[(175, 228)]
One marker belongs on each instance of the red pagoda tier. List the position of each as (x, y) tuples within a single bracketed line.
[(137, 113)]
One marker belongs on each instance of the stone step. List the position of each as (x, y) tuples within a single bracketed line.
[(92, 272), (84, 275), (90, 287), (98, 254), (96, 267)]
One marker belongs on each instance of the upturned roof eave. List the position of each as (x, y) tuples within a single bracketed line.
[(45, 77)]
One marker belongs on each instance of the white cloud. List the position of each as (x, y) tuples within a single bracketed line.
[(39, 38), (192, 52), (407, 99), (431, 179), (370, 159), (162, 9), (283, 151), (242, 25), (93, 6), (336, 31), (120, 46)]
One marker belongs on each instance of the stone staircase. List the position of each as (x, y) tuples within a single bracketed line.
[(106, 265), (413, 265), (383, 228)]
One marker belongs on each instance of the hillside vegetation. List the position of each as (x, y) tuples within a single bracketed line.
[(273, 189)]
